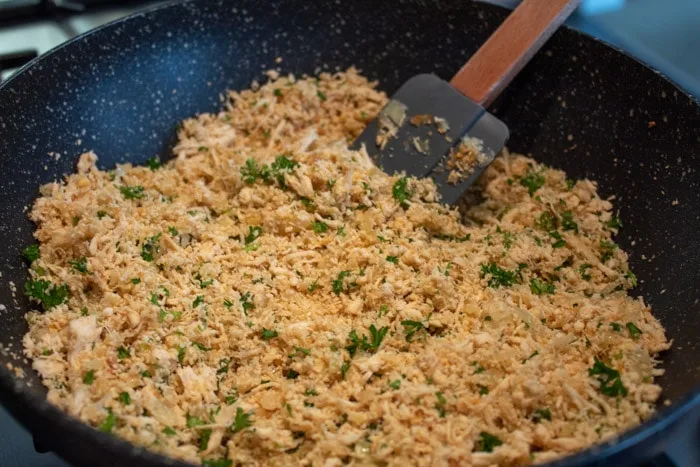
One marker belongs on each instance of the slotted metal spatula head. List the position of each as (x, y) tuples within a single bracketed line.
[(423, 125)]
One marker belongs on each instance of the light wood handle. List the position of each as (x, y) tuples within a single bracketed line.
[(509, 49)]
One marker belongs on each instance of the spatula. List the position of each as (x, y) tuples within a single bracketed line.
[(407, 136)]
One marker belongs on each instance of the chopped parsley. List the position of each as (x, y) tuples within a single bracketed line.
[(123, 352), (173, 231), (193, 421), (153, 163), (204, 439), (197, 301), (539, 287), (306, 202), (395, 385), (313, 286), (252, 172), (487, 442), (31, 253), (634, 331), (607, 249), (150, 247), (499, 277), (547, 221), (132, 192), (267, 334), (478, 368), (201, 346), (532, 355), (277, 92), (50, 295), (617, 327), (393, 259), (108, 424), (337, 284), (483, 390), (168, 431), (79, 264), (291, 374), (367, 344), (181, 351), (89, 377), (125, 398), (614, 223), (254, 232), (582, 271), (344, 369), (632, 278), (203, 284), (542, 414), (220, 462), (135, 280), (300, 350), (440, 404), (247, 302), (567, 221), (609, 379), (321, 95), (242, 421), (411, 328), (281, 166), (400, 191), (533, 182), (320, 227), (560, 242)]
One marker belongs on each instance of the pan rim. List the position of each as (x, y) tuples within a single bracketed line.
[(11, 386)]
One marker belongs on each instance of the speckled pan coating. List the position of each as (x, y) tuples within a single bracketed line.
[(580, 106)]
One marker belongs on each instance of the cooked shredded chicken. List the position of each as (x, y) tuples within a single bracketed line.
[(269, 297)]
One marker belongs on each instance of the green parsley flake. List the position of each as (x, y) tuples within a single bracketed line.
[(89, 377), (79, 265), (395, 385), (539, 287), (320, 227), (125, 398), (220, 462), (499, 277), (122, 353), (412, 327), (609, 379), (254, 232), (634, 331), (132, 192), (153, 163), (48, 294), (487, 442), (267, 334), (533, 182), (150, 248), (542, 414), (400, 191), (242, 421), (31, 253), (109, 423), (337, 284), (393, 259)]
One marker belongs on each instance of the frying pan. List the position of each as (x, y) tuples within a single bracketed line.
[(579, 105)]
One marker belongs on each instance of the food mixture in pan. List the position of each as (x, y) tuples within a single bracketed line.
[(269, 297)]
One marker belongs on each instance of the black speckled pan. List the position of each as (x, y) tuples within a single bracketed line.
[(579, 105)]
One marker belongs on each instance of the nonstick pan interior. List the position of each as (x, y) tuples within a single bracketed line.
[(580, 106)]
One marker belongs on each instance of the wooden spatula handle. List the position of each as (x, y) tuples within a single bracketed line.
[(507, 51)]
